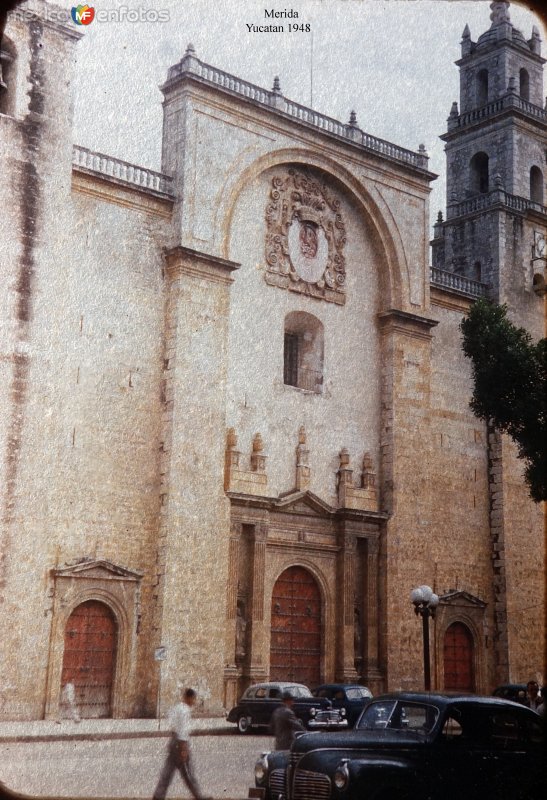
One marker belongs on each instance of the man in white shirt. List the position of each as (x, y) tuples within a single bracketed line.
[(178, 750)]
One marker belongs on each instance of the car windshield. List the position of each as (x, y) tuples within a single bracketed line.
[(357, 693), (299, 691), (399, 715)]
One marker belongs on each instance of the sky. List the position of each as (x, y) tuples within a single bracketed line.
[(392, 61)]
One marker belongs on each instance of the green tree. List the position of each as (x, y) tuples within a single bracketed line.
[(510, 376)]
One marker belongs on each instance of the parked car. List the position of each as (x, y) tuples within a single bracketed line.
[(511, 691), (410, 745), (260, 701), (350, 697)]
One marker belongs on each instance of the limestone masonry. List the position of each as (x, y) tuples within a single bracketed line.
[(235, 413)]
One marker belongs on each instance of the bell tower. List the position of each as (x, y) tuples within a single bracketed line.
[(496, 151)]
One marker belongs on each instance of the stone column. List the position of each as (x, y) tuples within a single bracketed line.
[(259, 659), (371, 672), (345, 663), (193, 550), (231, 671)]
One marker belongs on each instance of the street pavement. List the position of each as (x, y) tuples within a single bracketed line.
[(127, 767), (48, 730)]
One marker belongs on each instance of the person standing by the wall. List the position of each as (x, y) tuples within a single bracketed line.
[(532, 700), (67, 704), (178, 749)]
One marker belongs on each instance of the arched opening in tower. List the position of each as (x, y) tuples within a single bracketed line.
[(479, 173), (524, 84), (536, 185), (482, 87)]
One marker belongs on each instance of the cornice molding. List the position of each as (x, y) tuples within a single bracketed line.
[(185, 261), (395, 320)]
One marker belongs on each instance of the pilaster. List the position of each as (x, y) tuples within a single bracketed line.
[(258, 666), (372, 674), (345, 666), (195, 526)]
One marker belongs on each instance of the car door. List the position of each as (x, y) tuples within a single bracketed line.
[(478, 750), (516, 743), (260, 706)]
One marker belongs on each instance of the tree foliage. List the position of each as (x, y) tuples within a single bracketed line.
[(510, 376)]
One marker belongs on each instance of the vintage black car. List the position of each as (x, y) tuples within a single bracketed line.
[(407, 746), (258, 703), (350, 697), (511, 691)]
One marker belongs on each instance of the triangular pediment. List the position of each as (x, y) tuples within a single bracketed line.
[(304, 503), (97, 569), (459, 598)]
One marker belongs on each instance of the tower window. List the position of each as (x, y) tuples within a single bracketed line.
[(524, 84), (482, 87), (303, 352), (536, 185), (479, 173), (7, 77)]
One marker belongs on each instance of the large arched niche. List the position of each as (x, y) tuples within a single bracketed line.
[(259, 398), (390, 262)]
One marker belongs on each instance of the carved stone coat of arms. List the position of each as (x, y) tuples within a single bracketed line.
[(305, 238)]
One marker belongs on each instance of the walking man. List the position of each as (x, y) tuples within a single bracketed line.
[(178, 749), (284, 723)]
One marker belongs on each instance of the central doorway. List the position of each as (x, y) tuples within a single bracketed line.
[(296, 625)]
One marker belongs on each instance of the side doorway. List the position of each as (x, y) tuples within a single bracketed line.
[(89, 657)]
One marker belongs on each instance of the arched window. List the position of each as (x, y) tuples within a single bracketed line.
[(303, 351), (7, 77), (479, 173), (524, 84), (536, 185), (482, 87)]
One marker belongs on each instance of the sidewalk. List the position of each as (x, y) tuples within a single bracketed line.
[(95, 729)]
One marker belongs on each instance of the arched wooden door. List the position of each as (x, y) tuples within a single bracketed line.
[(458, 658), (295, 648), (90, 657)]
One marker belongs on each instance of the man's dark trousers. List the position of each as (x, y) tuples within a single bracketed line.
[(172, 763)]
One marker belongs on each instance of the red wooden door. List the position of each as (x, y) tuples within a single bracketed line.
[(295, 648), (458, 659), (89, 657)]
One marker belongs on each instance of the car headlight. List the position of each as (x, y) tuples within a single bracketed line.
[(313, 712), (341, 776), (343, 712), (261, 769)]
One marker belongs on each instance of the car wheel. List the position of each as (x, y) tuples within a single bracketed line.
[(244, 724)]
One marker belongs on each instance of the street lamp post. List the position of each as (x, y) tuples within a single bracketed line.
[(425, 602)]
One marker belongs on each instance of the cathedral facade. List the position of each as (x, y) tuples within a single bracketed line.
[(235, 430)]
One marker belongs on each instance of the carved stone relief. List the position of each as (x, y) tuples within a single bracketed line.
[(305, 238)]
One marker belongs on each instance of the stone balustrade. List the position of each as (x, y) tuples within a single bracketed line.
[(509, 100), (123, 171), (457, 283), (496, 197), (192, 66)]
